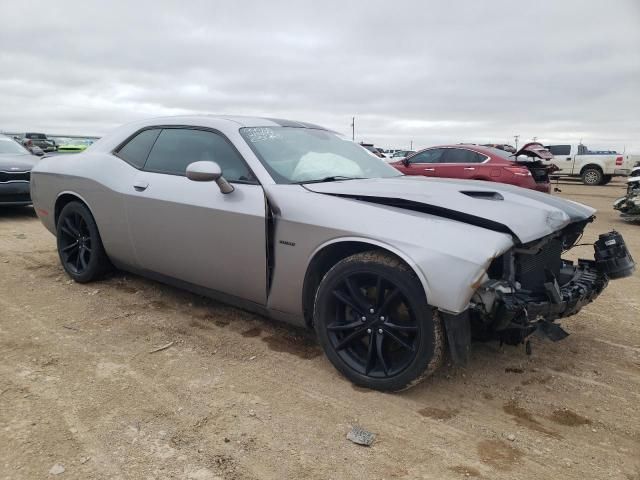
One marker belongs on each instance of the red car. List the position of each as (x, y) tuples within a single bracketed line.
[(476, 162)]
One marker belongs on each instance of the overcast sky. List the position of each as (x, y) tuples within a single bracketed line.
[(431, 72)]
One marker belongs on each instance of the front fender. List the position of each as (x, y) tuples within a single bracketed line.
[(449, 257)]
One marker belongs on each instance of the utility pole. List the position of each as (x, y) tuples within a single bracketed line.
[(411, 147), (516, 137), (534, 138), (353, 129)]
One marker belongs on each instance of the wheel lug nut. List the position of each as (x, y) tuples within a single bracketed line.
[(371, 310), (379, 330), (368, 330), (364, 319), (382, 319)]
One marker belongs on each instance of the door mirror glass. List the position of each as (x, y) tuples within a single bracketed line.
[(206, 171)]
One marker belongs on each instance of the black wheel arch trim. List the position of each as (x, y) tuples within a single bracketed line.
[(352, 245)]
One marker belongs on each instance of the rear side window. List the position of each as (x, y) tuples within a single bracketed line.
[(559, 149), (459, 155), (136, 150), (176, 148)]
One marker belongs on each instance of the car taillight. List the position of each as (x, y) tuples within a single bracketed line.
[(519, 171), (618, 161)]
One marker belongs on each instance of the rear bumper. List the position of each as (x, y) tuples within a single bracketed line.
[(15, 193), (621, 172), (544, 187), (527, 182)]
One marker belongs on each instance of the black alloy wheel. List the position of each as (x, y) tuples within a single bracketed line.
[(79, 244), (75, 243), (374, 323)]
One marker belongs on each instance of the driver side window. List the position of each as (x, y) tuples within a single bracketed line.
[(435, 155), (176, 148)]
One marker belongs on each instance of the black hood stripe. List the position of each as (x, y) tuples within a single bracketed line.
[(434, 210)]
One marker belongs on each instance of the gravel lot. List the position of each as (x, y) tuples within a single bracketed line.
[(237, 396)]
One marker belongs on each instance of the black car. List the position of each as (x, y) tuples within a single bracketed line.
[(15, 171)]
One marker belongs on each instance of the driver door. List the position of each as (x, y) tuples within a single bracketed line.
[(189, 230)]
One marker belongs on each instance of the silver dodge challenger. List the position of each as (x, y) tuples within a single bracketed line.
[(298, 223)]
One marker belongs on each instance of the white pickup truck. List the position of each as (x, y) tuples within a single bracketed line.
[(594, 167)]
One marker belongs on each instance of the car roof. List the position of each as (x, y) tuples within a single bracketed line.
[(224, 123), (240, 120), (468, 146)]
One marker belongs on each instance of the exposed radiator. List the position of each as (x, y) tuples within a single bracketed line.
[(530, 269)]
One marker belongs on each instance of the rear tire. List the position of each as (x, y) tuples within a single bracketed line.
[(592, 176), (79, 245), (606, 179), (374, 323)]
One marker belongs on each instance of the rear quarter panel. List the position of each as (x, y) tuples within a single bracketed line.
[(78, 175)]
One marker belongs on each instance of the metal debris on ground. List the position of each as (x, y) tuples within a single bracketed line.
[(163, 347), (361, 436)]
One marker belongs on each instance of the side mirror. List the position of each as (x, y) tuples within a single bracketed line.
[(208, 172)]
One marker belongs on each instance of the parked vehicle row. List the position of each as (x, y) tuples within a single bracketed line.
[(595, 168), (73, 145), (16, 163), (298, 223), (40, 141), (477, 162), (629, 205)]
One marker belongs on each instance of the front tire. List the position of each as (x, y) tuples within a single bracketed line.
[(79, 245), (592, 176), (374, 323)]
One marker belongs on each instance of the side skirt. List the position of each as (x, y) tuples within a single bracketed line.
[(243, 304)]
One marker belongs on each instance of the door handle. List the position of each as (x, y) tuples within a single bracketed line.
[(140, 186), (568, 158), (469, 168), (429, 169)]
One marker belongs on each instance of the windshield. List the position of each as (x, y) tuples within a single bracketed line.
[(299, 155), (9, 146)]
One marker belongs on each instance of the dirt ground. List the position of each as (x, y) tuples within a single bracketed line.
[(236, 396)]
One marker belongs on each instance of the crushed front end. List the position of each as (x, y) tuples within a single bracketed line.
[(629, 205), (531, 285)]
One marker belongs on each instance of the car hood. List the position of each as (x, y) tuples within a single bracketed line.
[(526, 214), (17, 162)]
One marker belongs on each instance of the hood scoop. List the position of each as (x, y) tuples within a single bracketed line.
[(483, 195)]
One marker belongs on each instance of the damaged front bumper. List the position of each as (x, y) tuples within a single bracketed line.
[(532, 286), (521, 313), (587, 282)]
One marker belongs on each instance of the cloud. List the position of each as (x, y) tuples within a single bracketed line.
[(427, 72)]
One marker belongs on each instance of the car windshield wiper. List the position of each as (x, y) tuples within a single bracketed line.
[(333, 178)]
